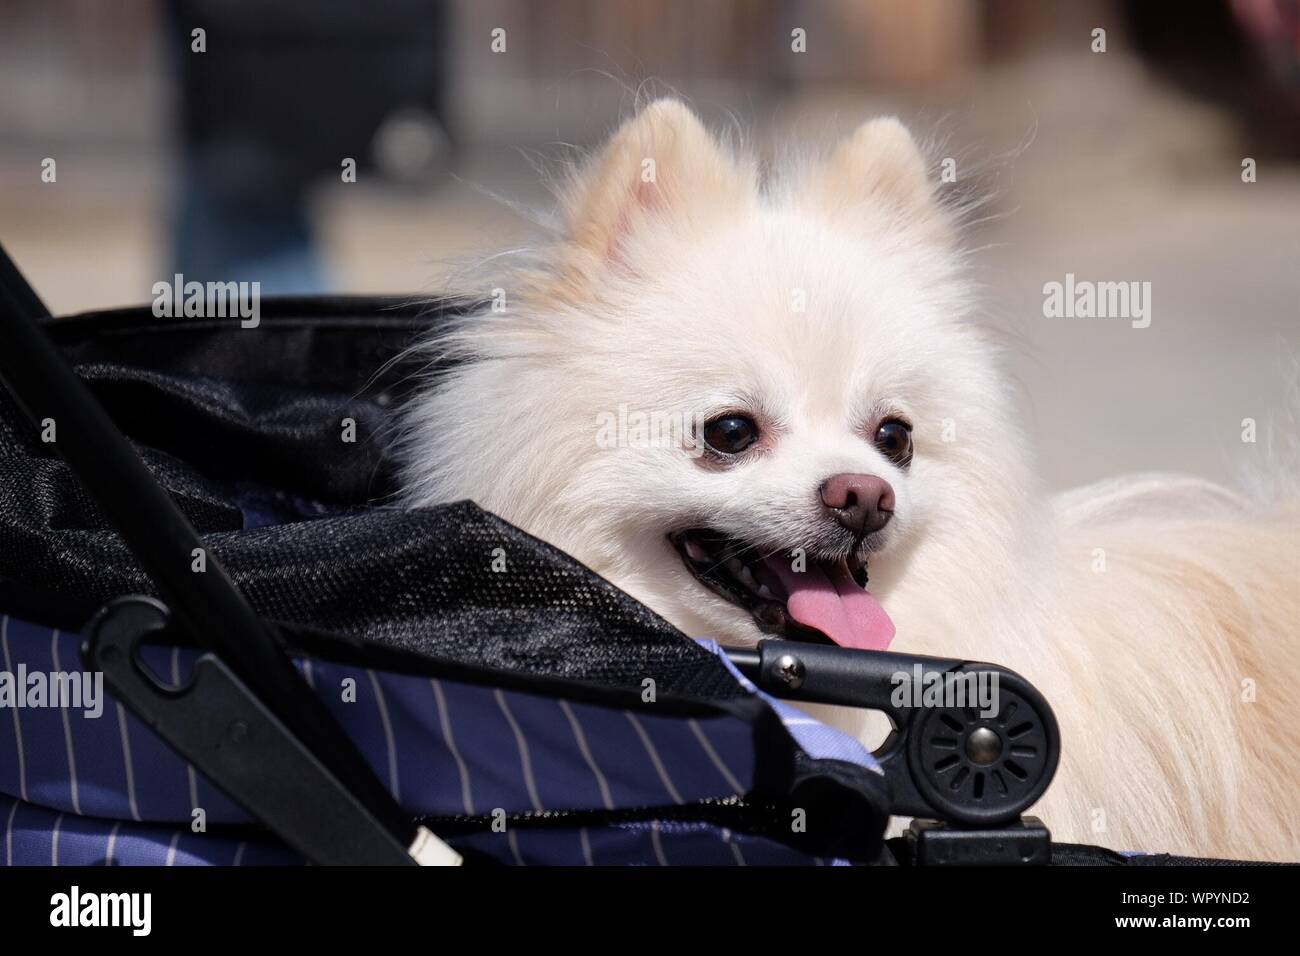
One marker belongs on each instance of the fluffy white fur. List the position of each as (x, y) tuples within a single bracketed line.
[(677, 295)]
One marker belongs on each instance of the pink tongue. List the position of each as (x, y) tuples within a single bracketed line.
[(826, 598)]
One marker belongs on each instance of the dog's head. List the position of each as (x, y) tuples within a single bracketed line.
[(740, 404)]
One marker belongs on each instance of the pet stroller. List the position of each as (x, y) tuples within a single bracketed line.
[(296, 671)]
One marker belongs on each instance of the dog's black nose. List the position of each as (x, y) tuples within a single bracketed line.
[(861, 503)]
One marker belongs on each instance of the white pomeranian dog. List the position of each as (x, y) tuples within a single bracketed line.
[(833, 411)]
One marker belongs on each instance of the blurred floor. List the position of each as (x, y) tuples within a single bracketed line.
[(1130, 183), (1134, 183)]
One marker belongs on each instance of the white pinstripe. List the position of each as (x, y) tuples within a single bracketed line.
[(451, 745), (586, 847), (67, 730), (514, 847), (654, 757), (18, 727), (735, 847), (388, 735), (524, 757), (126, 758), (54, 846), (586, 754), (659, 847), (171, 849), (713, 755), (112, 844), (239, 854), (9, 835)]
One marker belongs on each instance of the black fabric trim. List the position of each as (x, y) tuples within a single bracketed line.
[(1082, 854)]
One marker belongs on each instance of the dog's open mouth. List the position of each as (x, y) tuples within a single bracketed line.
[(810, 600)]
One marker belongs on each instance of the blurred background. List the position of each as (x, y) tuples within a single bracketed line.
[(229, 161)]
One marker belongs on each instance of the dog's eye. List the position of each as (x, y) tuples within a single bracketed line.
[(730, 434), (894, 439)]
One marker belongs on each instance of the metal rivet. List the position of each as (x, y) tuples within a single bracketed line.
[(791, 671), (983, 746)]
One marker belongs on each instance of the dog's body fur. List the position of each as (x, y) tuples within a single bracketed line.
[(1157, 614)]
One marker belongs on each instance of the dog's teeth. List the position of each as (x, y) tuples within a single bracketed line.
[(734, 566), (746, 577), (764, 591), (695, 552)]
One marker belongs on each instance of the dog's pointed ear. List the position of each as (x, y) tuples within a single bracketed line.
[(661, 166), (880, 171)]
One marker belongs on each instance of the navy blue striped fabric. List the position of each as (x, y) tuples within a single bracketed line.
[(77, 788), (37, 836)]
